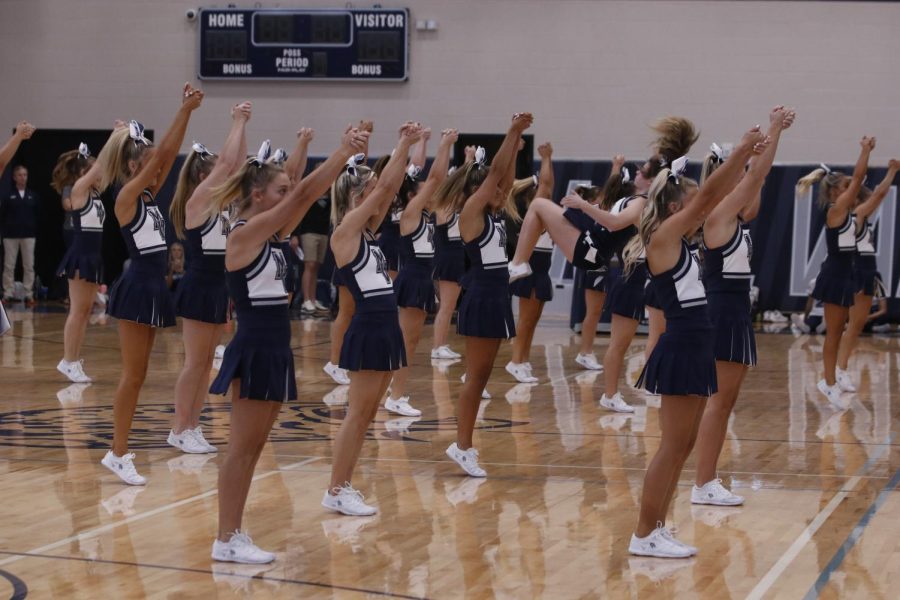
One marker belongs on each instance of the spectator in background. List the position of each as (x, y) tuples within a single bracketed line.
[(314, 242), (18, 228), (176, 265)]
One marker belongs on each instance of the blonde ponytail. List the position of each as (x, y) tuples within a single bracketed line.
[(453, 192), (195, 166), (344, 189), (828, 180), (115, 156), (235, 194)]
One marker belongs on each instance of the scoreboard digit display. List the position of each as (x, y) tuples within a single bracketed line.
[(304, 44)]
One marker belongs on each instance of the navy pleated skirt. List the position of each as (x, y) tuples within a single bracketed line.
[(449, 263), (141, 295), (260, 356), (82, 258), (683, 363), (868, 279), (389, 242), (729, 314), (626, 295), (373, 342), (486, 311), (597, 280), (414, 287), (202, 296), (836, 282), (538, 282)]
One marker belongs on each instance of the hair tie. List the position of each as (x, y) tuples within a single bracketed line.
[(279, 157), (826, 169), (718, 154), (136, 133), (480, 157), (679, 166), (83, 150), (412, 172), (626, 175), (353, 162), (534, 180), (201, 150), (663, 162), (263, 155)]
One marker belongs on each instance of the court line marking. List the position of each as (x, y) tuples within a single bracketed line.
[(806, 535), (213, 572), (148, 514), (852, 538)]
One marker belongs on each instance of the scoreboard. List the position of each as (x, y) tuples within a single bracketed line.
[(304, 44)]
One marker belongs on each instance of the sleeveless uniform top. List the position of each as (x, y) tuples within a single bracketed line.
[(204, 246), (681, 294), (841, 240), (618, 239), (727, 268), (865, 246), (261, 283), (417, 248), (145, 235), (366, 276), (447, 234), (544, 243), (487, 253), (87, 223)]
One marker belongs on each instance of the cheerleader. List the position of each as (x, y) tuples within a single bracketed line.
[(258, 367), (449, 266), (373, 345), (76, 177), (201, 299), (346, 305), (139, 298), (23, 131), (414, 287), (727, 248), (536, 289), (836, 282), (869, 284), (682, 366), (479, 193), (596, 284)]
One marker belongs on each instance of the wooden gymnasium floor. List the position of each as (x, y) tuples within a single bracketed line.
[(552, 521)]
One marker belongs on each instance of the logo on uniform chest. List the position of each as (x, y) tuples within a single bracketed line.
[(101, 211), (501, 232), (159, 223), (280, 264), (381, 264)]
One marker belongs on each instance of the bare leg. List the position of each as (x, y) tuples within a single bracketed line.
[(200, 340), (622, 333), (448, 292), (203, 388), (81, 300), (593, 301), (859, 312), (545, 215), (251, 422), (366, 390), (309, 279), (412, 320), (714, 424), (657, 328), (480, 356), (529, 314), (835, 319), (136, 342), (346, 308), (679, 417)]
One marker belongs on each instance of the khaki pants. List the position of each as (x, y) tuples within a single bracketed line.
[(11, 249)]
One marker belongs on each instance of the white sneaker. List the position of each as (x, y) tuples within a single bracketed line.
[(71, 396), (798, 322), (588, 361), (348, 501), (307, 307), (186, 441), (338, 396), (123, 467), (520, 372), (444, 352), (320, 307), (240, 549), (660, 543), (843, 380), (833, 393), (198, 433), (467, 459), (338, 374), (519, 393), (485, 395), (220, 352), (616, 403), (400, 425), (713, 492), (122, 501), (466, 491), (518, 271), (529, 368), (401, 406), (74, 371)]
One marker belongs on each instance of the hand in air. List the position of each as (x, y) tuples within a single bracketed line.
[(191, 97), (522, 121), (242, 111), (25, 130), (618, 162), (354, 141), (868, 143), (894, 164), (411, 132), (470, 153), (119, 124), (754, 141), (306, 134), (449, 136), (366, 125), (545, 150)]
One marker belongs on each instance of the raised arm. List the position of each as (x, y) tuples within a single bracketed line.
[(867, 208), (419, 153), (295, 165), (409, 219), (720, 224), (545, 178), (470, 218), (24, 131), (156, 168), (845, 201), (612, 221), (82, 186)]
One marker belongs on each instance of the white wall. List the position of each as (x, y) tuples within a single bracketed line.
[(593, 72)]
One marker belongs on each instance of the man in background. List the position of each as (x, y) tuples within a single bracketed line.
[(18, 228)]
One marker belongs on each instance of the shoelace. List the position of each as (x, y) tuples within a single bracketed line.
[(128, 460), (241, 538), (354, 494)]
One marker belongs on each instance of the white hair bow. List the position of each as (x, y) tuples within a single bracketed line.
[(279, 156), (353, 162), (718, 153), (679, 166), (412, 171), (263, 155), (480, 156), (534, 180), (201, 150), (626, 175), (136, 133), (825, 168), (83, 150)]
